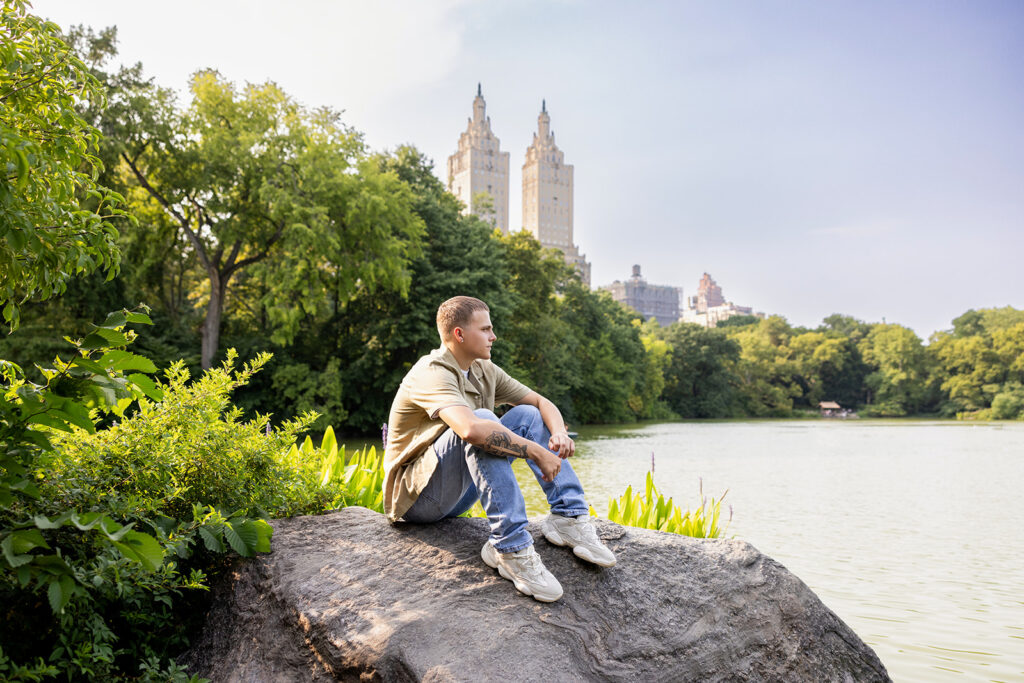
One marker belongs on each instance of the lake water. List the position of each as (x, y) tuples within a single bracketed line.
[(909, 530)]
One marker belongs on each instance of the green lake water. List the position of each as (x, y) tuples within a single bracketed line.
[(909, 530)]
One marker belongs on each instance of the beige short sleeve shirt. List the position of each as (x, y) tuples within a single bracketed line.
[(434, 382)]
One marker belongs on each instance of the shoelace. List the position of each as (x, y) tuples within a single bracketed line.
[(531, 564), (585, 529)]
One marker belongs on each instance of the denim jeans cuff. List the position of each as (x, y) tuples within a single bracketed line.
[(516, 547), (573, 512)]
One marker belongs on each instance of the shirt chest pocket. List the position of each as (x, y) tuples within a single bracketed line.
[(475, 394)]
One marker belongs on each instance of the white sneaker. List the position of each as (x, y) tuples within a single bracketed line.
[(525, 569), (578, 533)]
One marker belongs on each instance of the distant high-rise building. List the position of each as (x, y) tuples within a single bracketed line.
[(478, 171), (651, 301), (709, 294), (547, 195), (709, 307)]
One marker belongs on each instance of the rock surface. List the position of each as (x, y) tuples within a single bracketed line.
[(346, 596)]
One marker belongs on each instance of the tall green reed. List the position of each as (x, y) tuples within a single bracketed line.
[(348, 479), (650, 510)]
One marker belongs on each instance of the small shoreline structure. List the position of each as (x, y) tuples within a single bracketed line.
[(831, 409)]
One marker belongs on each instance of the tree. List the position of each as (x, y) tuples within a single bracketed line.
[(483, 206), (980, 361), (846, 326), (825, 363), (768, 377), (700, 379), (376, 335), (609, 356), (897, 383), (251, 177), (539, 339), (738, 321), (55, 218)]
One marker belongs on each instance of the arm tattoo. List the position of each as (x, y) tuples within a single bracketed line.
[(499, 443)]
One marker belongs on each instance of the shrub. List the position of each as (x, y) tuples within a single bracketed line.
[(60, 565), (189, 449), (1006, 406), (125, 525)]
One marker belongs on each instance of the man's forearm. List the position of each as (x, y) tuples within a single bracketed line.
[(552, 416), (501, 443)]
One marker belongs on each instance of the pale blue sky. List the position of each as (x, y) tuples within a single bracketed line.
[(859, 157)]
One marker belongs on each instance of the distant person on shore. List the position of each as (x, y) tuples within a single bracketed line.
[(446, 449)]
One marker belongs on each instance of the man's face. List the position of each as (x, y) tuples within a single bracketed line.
[(476, 337)]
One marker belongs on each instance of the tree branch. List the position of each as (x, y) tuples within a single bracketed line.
[(37, 81), (258, 257), (182, 220)]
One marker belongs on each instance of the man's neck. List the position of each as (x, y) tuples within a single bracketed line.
[(464, 361)]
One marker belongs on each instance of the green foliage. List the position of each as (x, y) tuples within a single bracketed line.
[(541, 341), (376, 336), (767, 374), (121, 527), (657, 359), (700, 379), (56, 558), (191, 448), (979, 366), (608, 353), (650, 510), (354, 480), (260, 188), (738, 321), (900, 369), (55, 218), (1008, 405)]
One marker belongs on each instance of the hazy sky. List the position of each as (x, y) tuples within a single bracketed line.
[(860, 157)]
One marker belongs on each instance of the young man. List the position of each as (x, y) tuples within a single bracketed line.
[(446, 449)]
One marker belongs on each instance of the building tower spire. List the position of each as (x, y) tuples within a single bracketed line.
[(478, 170), (547, 195), (479, 107), (544, 124)]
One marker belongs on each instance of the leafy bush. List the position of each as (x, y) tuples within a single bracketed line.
[(118, 530), (1007, 405), (652, 511), (189, 449), (56, 562)]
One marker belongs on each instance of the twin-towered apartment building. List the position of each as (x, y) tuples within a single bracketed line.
[(478, 175)]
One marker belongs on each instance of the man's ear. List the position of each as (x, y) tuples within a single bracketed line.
[(457, 334)]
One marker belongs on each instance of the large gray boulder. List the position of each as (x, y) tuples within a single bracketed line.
[(346, 596)]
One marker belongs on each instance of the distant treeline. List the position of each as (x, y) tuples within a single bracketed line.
[(751, 367), (258, 224)]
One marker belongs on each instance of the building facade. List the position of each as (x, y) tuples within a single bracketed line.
[(480, 168), (651, 301), (547, 195), (709, 307)]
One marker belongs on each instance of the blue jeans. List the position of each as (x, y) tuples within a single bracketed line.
[(466, 473)]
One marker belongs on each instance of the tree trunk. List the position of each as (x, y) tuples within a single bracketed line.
[(214, 313)]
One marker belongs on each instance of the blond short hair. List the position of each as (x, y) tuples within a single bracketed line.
[(457, 312)]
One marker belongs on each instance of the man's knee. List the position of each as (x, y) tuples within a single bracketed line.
[(486, 414), (524, 412)]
